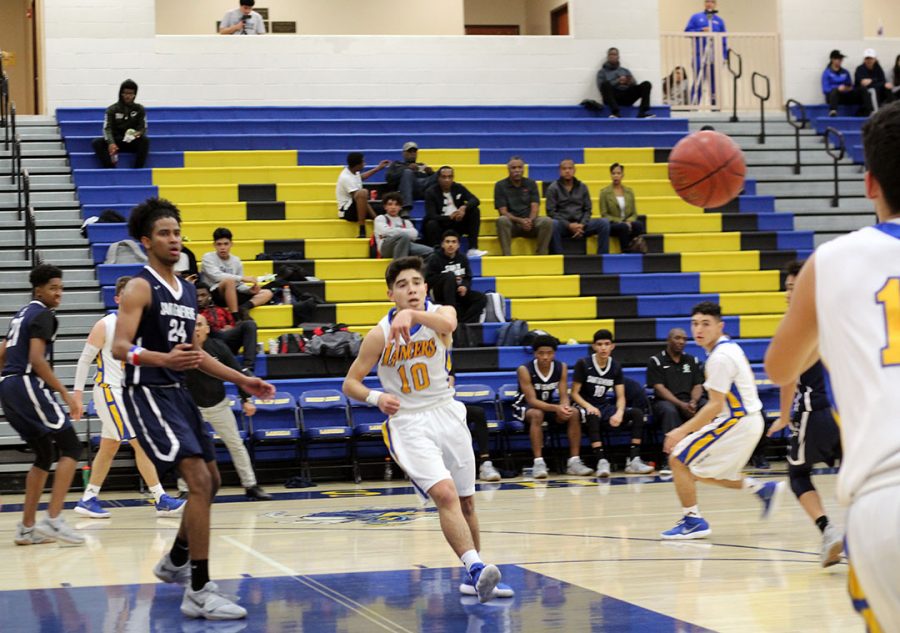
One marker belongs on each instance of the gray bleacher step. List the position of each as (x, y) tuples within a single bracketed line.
[(31, 147), (8, 220), (823, 204), (36, 119), (40, 197), (761, 154), (833, 223), (65, 237), (809, 188), (73, 299), (37, 135), (30, 152), (40, 181), (780, 127), (10, 278), (822, 172), (780, 142)]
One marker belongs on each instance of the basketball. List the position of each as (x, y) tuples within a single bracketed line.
[(707, 169)]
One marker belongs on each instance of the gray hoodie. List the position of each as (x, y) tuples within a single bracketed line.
[(611, 74)]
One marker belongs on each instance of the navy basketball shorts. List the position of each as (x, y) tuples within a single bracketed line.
[(815, 437), (30, 407), (167, 424)]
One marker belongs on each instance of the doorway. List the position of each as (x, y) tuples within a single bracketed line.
[(18, 41), (559, 20)]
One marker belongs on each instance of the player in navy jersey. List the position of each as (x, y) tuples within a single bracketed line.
[(815, 437), (544, 399), (154, 336), (25, 385), (598, 387)]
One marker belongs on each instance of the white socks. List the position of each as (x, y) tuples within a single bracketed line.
[(751, 484), (470, 558), (538, 460), (90, 492), (157, 491), (693, 511)]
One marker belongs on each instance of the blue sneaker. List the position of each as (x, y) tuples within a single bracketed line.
[(690, 527), (91, 508), (169, 507), (770, 495), (486, 578), (467, 588)]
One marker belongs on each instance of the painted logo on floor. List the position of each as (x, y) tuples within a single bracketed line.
[(368, 516)]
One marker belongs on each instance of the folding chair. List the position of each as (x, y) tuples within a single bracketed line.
[(325, 418), (484, 396), (367, 422), (275, 423)]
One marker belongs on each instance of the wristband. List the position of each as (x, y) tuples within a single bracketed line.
[(373, 396), (134, 355)]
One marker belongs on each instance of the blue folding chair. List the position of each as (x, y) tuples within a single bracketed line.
[(325, 419), (484, 396), (274, 424), (367, 422)]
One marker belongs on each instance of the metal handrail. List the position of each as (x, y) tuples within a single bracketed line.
[(798, 123), (4, 105), (25, 210), (762, 101), (837, 153), (737, 75)]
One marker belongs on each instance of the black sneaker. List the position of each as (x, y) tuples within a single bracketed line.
[(257, 494), (646, 115)]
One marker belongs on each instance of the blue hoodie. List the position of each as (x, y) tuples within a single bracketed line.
[(831, 79)]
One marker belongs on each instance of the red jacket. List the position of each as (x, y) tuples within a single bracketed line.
[(218, 318)]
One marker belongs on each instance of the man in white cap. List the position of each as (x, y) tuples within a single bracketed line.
[(409, 177), (869, 78)]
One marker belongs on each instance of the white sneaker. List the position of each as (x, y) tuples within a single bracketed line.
[(832, 545), (211, 604), (28, 536), (166, 571), (603, 468), (576, 467), (59, 530), (637, 466), (474, 252), (487, 472), (539, 470)]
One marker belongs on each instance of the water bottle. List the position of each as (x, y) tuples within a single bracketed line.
[(86, 474), (286, 295), (388, 471), (273, 346)]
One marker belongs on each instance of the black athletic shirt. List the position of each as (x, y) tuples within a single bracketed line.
[(168, 320), (34, 320), (812, 394)]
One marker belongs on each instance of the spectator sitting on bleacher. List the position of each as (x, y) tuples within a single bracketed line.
[(352, 198), (598, 388), (208, 393), (544, 399), (870, 80), (518, 202), (837, 84), (222, 326), (396, 236), (124, 129), (619, 87), (410, 177), (569, 205), (677, 382), (449, 205), (617, 205), (449, 276), (224, 274), (675, 88), (243, 21), (476, 418), (186, 268)]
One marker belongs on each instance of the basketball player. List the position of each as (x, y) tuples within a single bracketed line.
[(846, 308), (34, 414), (716, 443), (154, 334), (426, 431), (542, 381), (116, 427), (815, 437)]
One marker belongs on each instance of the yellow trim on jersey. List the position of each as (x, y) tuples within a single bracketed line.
[(697, 446), (114, 410), (858, 596), (99, 379)]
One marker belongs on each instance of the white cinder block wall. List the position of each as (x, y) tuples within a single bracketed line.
[(92, 45)]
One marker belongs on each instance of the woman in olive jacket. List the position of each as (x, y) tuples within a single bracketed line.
[(617, 205)]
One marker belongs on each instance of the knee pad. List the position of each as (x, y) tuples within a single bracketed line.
[(68, 443), (43, 452), (801, 483)]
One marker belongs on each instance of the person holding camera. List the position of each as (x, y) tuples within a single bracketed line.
[(243, 21)]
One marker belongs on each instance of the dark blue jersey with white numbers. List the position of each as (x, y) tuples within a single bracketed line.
[(812, 395), (34, 320), (167, 321), (598, 384), (544, 386)]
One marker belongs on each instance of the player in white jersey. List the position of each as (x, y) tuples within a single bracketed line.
[(426, 430), (716, 443), (846, 310), (115, 426)]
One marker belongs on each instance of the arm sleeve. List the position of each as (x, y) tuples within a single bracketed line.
[(410, 230), (605, 212), (260, 25), (394, 172), (88, 354), (42, 326), (380, 226), (467, 277), (693, 24), (720, 372), (698, 373)]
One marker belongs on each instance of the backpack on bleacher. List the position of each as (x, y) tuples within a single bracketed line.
[(495, 308), (125, 252), (512, 333), (291, 344), (335, 341)]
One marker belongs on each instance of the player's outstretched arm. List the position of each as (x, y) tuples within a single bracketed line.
[(443, 321), (794, 348), (369, 353), (252, 385)]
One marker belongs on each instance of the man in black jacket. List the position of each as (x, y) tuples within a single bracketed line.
[(124, 129), (869, 79), (450, 278), (449, 205), (409, 177)]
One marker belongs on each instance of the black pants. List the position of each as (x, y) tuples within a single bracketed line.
[(478, 422), (633, 420), (468, 307), (613, 97), (241, 335), (836, 98), (625, 232), (139, 146), (468, 226)]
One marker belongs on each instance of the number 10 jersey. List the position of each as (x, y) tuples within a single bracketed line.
[(168, 321), (417, 372)]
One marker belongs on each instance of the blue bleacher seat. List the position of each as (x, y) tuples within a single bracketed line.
[(325, 417), (275, 423)]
